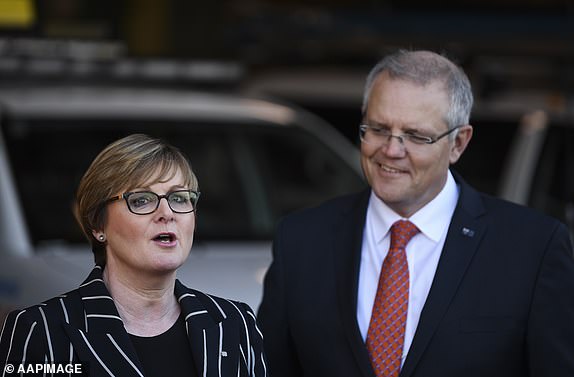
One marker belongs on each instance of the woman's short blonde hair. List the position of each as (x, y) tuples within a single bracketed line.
[(133, 161)]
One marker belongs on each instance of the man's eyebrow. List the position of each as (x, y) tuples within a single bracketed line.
[(407, 128), (377, 124)]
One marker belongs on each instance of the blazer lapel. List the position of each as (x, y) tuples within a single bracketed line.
[(205, 325), (347, 253), (463, 238), (102, 340)]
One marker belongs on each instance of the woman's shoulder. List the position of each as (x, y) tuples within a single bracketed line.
[(54, 308), (219, 306)]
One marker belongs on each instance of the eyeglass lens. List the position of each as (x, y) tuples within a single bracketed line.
[(147, 202), (381, 136)]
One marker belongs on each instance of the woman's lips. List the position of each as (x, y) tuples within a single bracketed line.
[(165, 238)]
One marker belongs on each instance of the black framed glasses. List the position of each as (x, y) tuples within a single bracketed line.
[(382, 136), (146, 202)]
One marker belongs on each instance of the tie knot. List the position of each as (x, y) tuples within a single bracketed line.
[(401, 233)]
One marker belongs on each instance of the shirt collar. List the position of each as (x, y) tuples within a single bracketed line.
[(432, 219)]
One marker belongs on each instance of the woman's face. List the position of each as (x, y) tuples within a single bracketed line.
[(154, 244)]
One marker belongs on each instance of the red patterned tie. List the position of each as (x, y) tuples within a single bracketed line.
[(386, 334)]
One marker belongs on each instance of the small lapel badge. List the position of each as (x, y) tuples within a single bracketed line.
[(467, 232), (223, 353)]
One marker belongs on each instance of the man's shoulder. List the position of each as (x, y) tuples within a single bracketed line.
[(331, 208), (512, 214), (503, 206)]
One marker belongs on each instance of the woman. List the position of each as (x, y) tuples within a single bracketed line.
[(131, 317)]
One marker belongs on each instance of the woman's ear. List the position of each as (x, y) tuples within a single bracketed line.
[(98, 235)]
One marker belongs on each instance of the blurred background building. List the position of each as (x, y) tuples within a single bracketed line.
[(314, 53), (500, 42)]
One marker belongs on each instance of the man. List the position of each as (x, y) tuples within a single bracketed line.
[(476, 287)]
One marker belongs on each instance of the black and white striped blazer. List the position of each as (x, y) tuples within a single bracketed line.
[(83, 326)]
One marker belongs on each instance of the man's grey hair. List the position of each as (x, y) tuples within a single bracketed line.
[(422, 68)]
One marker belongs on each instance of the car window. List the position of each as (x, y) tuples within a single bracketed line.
[(249, 174), (299, 171), (481, 164), (553, 183)]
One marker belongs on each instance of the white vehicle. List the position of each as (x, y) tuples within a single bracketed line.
[(255, 160), (540, 169)]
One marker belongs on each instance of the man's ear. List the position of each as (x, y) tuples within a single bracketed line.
[(460, 142)]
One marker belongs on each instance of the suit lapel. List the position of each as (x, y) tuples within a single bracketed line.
[(347, 253), (102, 340), (463, 238), (205, 324)]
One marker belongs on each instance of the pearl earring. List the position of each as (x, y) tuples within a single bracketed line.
[(102, 238)]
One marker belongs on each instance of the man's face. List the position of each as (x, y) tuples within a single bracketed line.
[(408, 176)]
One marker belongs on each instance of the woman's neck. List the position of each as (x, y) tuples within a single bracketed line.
[(148, 308)]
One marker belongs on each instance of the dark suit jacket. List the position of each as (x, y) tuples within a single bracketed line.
[(84, 326), (501, 303)]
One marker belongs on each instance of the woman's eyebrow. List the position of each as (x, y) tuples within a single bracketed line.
[(148, 188)]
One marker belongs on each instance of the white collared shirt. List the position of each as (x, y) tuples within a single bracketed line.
[(423, 253)]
